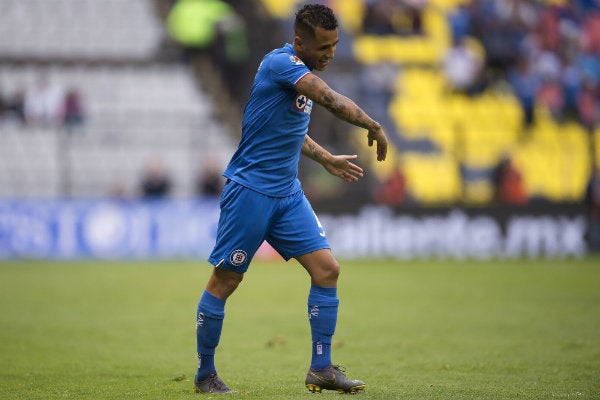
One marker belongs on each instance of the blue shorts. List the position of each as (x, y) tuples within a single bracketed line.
[(248, 218)]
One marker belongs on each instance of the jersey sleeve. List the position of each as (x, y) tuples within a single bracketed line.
[(287, 69)]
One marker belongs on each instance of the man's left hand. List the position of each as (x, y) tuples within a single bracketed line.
[(343, 168)]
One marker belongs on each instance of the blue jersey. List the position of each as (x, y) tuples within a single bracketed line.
[(275, 122)]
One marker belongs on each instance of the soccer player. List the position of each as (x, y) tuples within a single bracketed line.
[(263, 199)]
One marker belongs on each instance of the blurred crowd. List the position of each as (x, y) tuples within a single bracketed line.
[(45, 104), (549, 52), (156, 180)]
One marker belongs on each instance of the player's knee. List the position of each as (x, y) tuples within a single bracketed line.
[(232, 282), (223, 283), (334, 270), (329, 274)]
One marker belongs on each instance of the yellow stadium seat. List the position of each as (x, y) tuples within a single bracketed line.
[(367, 49), (555, 170), (596, 146), (478, 192), (281, 9), (428, 48), (432, 179), (443, 134), (350, 13)]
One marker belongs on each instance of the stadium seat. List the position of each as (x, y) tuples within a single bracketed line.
[(281, 9), (78, 29)]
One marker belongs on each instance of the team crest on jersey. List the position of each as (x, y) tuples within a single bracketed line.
[(237, 257), (296, 60), (303, 103)]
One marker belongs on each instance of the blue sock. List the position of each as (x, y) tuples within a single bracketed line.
[(209, 321), (322, 314)]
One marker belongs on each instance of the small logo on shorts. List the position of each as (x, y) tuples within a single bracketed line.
[(237, 257)]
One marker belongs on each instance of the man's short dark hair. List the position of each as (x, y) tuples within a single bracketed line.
[(313, 16)]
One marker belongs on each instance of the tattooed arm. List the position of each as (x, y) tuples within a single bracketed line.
[(342, 107), (339, 166)]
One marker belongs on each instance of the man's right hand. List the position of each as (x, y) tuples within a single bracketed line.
[(378, 135)]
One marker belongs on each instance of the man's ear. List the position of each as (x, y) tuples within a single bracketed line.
[(297, 41)]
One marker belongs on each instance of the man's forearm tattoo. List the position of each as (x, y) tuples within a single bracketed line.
[(314, 151), (344, 108)]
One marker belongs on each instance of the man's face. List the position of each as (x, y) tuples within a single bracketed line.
[(316, 52)]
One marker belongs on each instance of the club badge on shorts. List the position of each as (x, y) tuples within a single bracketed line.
[(237, 257)]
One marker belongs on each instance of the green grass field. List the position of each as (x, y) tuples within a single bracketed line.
[(410, 330)]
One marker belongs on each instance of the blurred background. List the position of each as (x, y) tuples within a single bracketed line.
[(117, 118)]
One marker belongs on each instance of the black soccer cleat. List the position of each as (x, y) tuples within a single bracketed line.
[(332, 378), (212, 384)]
